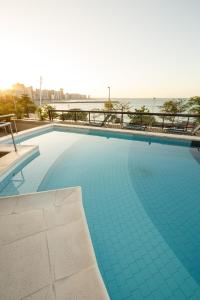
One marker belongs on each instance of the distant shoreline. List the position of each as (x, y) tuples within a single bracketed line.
[(89, 101), (152, 104)]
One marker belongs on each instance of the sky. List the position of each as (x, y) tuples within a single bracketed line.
[(140, 48)]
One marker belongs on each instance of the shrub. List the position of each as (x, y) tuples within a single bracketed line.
[(75, 115)]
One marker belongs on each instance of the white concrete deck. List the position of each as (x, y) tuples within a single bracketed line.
[(9, 161), (45, 248)]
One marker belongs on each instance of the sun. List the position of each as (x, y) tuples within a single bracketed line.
[(4, 87)]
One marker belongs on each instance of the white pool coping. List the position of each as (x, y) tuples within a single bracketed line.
[(25, 133), (10, 161), (44, 128), (134, 132), (46, 250)]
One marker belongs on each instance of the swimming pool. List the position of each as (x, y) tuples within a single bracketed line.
[(142, 202)]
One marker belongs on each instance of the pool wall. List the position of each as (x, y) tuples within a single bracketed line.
[(23, 159), (87, 129)]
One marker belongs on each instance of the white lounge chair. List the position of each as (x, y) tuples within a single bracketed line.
[(196, 128)]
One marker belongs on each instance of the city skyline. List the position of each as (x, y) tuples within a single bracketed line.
[(142, 49), (63, 94), (19, 89)]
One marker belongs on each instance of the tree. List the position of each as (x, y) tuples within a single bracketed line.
[(108, 105), (25, 105), (194, 104), (122, 106), (75, 115), (174, 107), (43, 112), (7, 104), (14, 105), (141, 119)]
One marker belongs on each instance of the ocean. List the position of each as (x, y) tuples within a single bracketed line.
[(153, 104)]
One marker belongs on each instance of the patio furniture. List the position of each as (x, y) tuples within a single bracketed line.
[(135, 126), (197, 128)]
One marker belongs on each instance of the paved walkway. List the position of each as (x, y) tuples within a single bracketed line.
[(45, 248)]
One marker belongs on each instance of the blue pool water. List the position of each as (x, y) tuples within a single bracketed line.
[(142, 202)]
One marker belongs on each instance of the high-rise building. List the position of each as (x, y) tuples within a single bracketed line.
[(19, 89)]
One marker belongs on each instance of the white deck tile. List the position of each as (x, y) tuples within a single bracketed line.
[(67, 196), (12, 159), (18, 226), (34, 201), (70, 250), (34, 259), (24, 267), (7, 205), (85, 285), (61, 215), (43, 294)]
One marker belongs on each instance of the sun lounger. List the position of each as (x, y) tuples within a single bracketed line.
[(197, 128), (175, 130), (135, 127), (182, 130)]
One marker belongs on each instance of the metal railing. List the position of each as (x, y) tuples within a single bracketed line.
[(183, 122), (8, 124), (9, 118)]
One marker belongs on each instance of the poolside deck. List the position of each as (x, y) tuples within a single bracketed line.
[(45, 248), (10, 160)]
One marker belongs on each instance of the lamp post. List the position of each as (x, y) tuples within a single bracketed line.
[(15, 106), (109, 93), (40, 91)]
